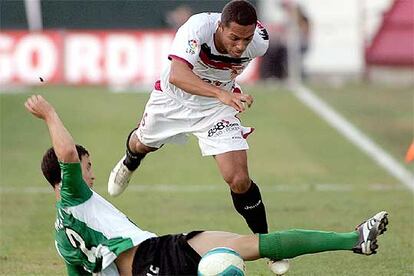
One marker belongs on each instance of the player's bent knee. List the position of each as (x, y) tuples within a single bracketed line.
[(239, 184)]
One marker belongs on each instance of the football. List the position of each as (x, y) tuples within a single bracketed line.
[(221, 261)]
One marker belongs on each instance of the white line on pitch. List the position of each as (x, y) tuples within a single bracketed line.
[(353, 134), (167, 188)]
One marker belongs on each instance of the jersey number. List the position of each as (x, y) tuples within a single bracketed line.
[(77, 242)]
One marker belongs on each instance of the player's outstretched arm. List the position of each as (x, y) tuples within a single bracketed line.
[(183, 77), (62, 141)]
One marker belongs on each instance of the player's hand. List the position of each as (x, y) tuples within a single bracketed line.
[(39, 107), (245, 99), (236, 100)]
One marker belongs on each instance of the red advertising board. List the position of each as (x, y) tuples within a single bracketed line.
[(26, 57), (88, 57)]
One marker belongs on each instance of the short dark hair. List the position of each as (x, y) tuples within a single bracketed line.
[(240, 12), (50, 164)]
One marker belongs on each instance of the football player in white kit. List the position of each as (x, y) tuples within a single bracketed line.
[(197, 94)]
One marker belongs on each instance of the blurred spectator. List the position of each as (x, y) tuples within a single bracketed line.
[(275, 62), (304, 34), (178, 16)]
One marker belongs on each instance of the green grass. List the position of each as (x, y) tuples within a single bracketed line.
[(386, 113), (292, 153)]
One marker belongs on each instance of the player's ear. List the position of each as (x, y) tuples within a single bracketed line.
[(220, 26)]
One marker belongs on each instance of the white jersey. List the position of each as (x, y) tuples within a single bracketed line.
[(194, 44)]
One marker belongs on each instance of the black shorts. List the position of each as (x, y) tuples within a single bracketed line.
[(166, 255)]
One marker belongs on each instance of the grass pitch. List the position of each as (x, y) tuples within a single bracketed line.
[(310, 176)]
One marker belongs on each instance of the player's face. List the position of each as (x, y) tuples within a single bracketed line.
[(235, 38), (87, 172)]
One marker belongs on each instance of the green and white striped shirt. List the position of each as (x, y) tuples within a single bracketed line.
[(90, 232)]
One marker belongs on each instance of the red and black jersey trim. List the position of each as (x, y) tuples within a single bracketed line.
[(218, 61), (170, 57), (207, 50)]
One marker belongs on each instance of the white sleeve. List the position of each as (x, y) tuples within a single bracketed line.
[(187, 41), (260, 41)]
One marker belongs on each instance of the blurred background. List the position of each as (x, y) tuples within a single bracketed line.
[(105, 42), (333, 112)]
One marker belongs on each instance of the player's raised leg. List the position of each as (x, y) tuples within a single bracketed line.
[(245, 193), (292, 243), (123, 170)]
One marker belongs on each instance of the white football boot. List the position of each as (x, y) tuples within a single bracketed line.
[(369, 230), (119, 178)]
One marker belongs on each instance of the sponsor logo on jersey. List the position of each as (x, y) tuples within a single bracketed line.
[(213, 82), (223, 127), (192, 47)]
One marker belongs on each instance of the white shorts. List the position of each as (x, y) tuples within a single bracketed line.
[(167, 121)]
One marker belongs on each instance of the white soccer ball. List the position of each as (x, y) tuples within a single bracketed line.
[(221, 261)]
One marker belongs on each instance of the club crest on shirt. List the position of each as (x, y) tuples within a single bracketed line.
[(192, 47)]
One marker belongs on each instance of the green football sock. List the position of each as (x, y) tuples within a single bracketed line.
[(291, 243)]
